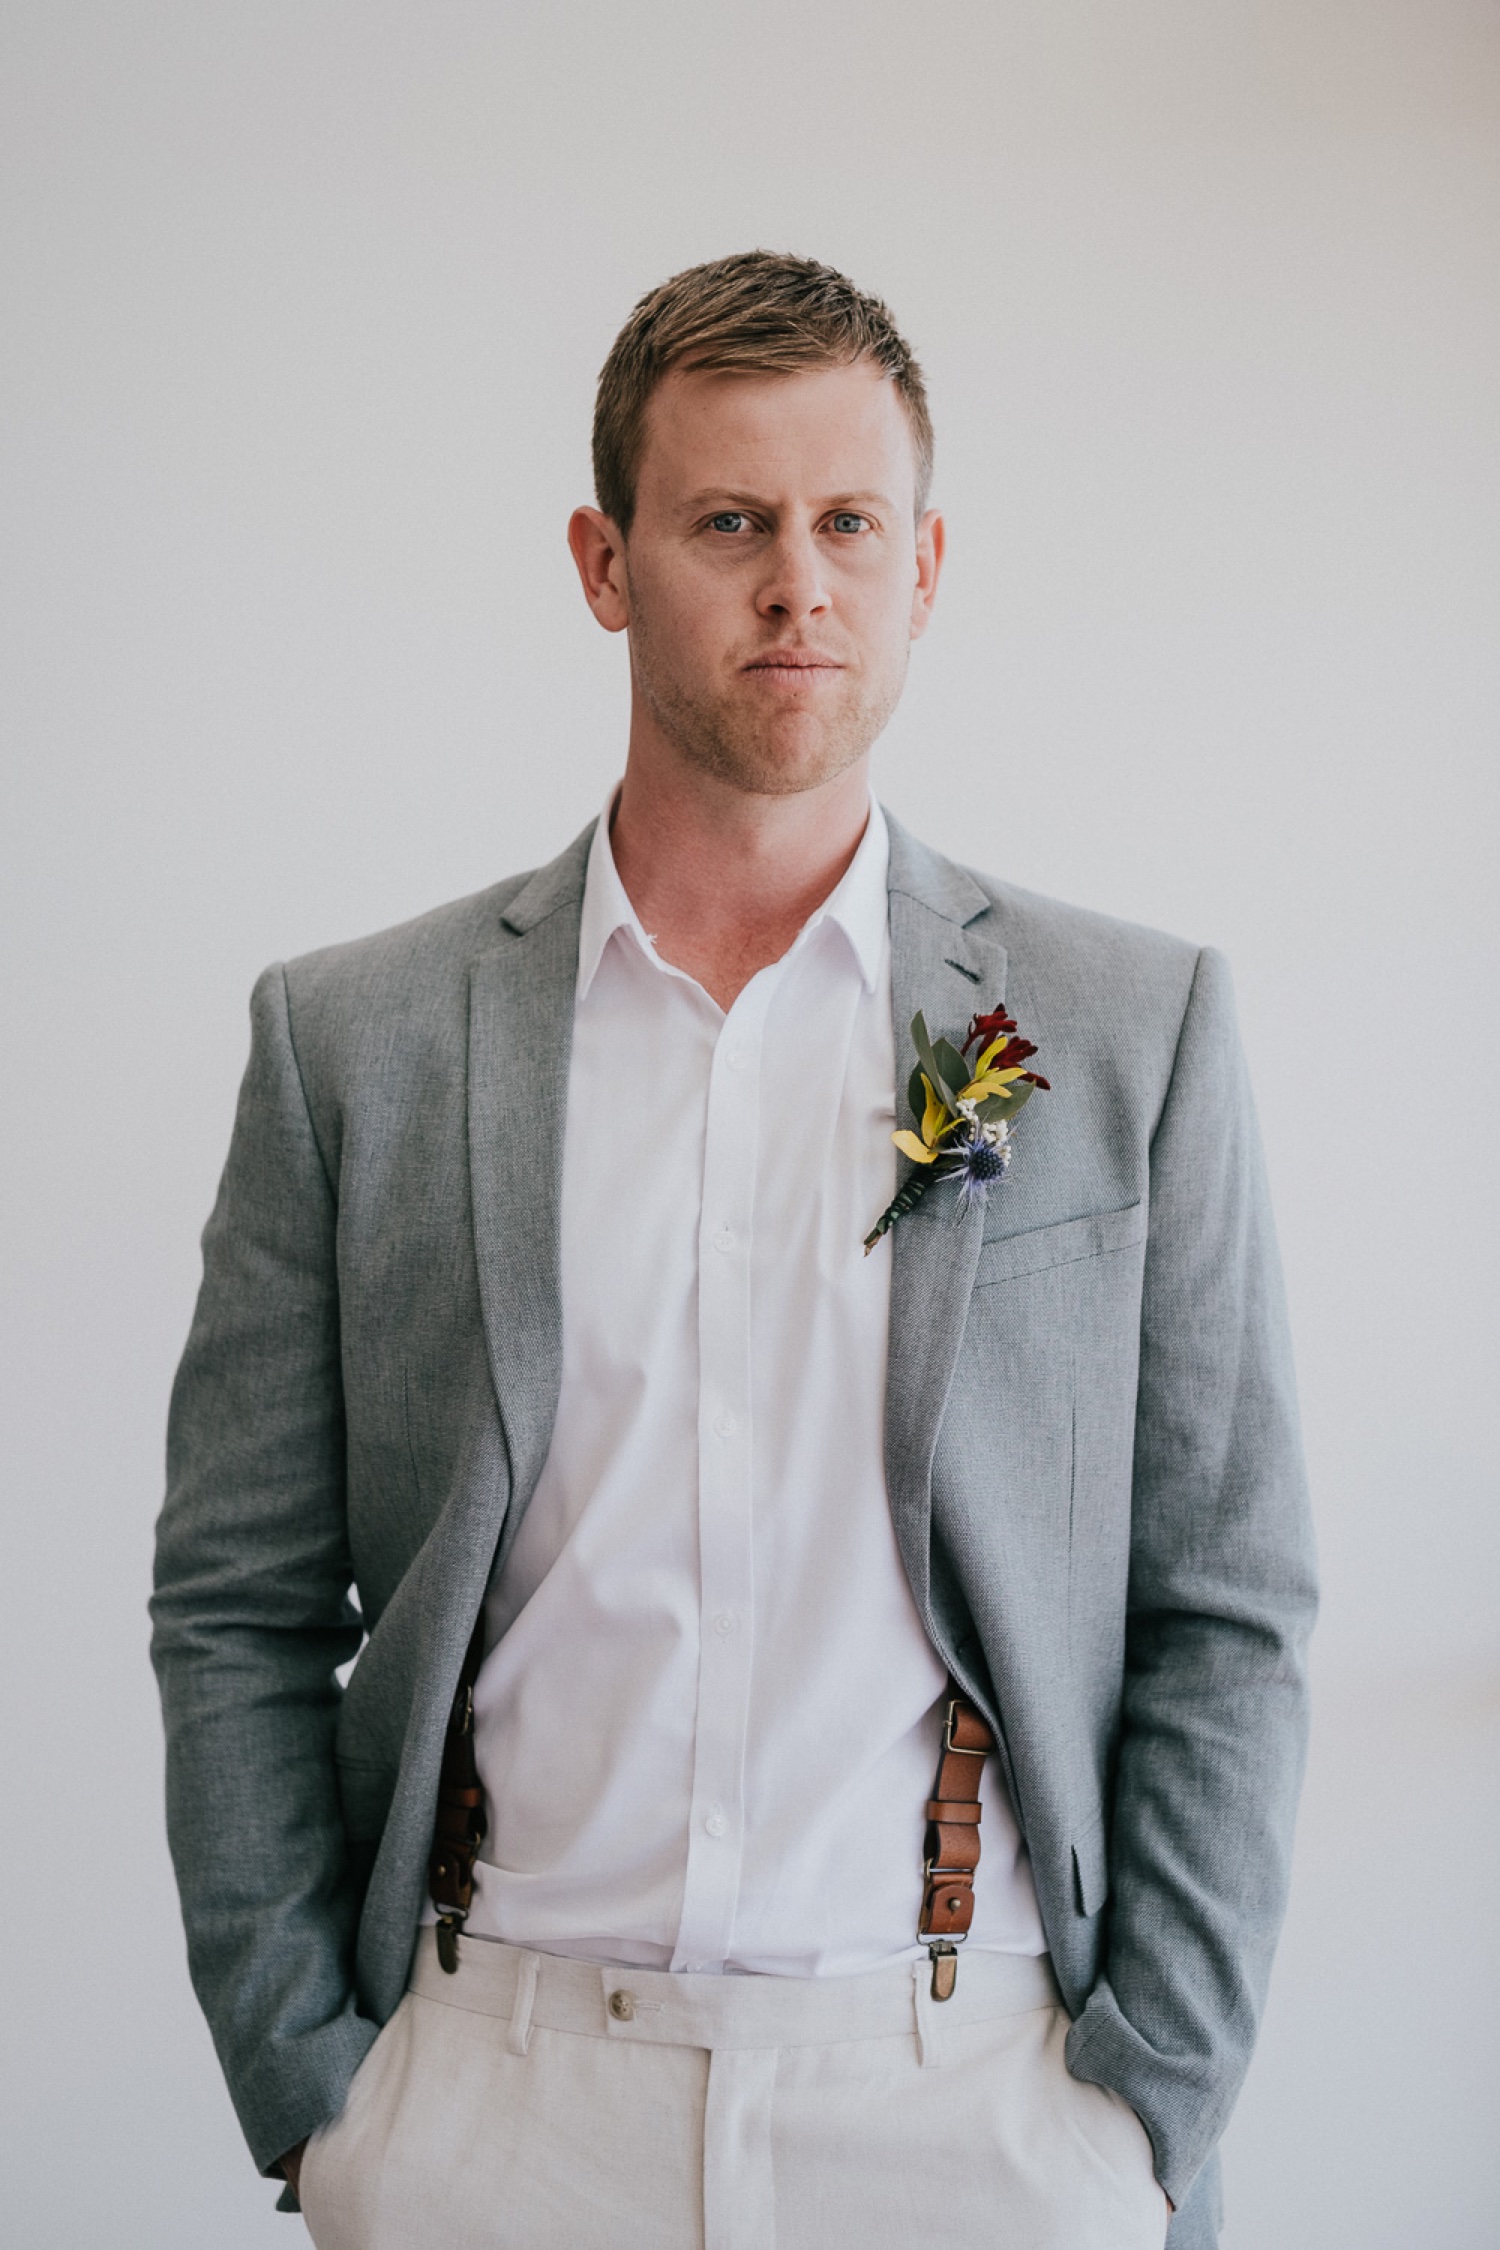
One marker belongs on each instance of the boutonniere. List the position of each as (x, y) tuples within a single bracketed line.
[(967, 1113)]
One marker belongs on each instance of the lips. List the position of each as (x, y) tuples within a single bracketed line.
[(792, 660)]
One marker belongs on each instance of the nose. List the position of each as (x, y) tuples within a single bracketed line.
[(794, 587)]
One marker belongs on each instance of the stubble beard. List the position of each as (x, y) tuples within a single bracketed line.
[(761, 753)]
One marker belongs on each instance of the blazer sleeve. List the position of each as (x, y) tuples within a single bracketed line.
[(1221, 1599), (252, 1617)]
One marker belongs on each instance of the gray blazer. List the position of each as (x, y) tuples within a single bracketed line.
[(1091, 1452)]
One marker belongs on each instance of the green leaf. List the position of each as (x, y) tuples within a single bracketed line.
[(952, 1065), (927, 1057), (916, 1094), (996, 1106)]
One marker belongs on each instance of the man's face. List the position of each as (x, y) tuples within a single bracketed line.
[(774, 575)]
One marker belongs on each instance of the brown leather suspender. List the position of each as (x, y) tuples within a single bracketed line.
[(953, 1839), (458, 1829), (952, 1851)]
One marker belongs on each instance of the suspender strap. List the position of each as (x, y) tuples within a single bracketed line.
[(952, 1850), (953, 1839), (458, 1829)]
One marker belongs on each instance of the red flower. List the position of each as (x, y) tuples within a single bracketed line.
[(985, 1028), (1015, 1051)]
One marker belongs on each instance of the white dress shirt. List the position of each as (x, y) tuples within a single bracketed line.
[(707, 1721)]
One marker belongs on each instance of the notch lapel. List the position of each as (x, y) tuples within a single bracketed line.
[(949, 970), (521, 997)]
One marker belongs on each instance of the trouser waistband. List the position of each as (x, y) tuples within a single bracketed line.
[(681, 2010)]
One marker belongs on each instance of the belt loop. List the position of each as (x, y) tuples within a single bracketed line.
[(518, 2038), (929, 2035)]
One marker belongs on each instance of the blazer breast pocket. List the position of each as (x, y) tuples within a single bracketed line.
[(1069, 1241)]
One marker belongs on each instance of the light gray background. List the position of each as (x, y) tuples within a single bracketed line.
[(304, 306)]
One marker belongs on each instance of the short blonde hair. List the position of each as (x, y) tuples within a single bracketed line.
[(758, 313)]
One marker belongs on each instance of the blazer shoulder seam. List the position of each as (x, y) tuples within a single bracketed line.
[(1170, 1080), (307, 1108)]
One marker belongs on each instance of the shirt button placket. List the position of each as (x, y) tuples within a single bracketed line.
[(715, 1838)]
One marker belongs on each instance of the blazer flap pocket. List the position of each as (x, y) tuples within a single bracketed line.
[(1090, 1869), (364, 1797), (1040, 1247)]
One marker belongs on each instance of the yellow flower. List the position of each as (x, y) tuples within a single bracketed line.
[(989, 1082), (935, 1123), (910, 1146)]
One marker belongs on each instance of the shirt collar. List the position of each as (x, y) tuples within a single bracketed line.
[(606, 903), (858, 905)]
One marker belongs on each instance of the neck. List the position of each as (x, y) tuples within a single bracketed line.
[(724, 880)]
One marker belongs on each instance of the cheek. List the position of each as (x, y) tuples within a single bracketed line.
[(687, 609), (882, 610)]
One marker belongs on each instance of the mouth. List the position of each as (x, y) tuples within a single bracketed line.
[(787, 665)]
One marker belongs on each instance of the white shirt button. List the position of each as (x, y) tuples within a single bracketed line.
[(717, 1821), (724, 1239), (725, 1423), (723, 1624)]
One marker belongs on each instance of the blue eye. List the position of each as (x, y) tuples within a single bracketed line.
[(847, 520), (730, 520)]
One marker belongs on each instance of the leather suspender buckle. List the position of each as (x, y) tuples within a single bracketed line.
[(962, 1717)]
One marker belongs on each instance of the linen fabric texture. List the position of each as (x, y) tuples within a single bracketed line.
[(530, 2100), (1091, 1459), (709, 1716)]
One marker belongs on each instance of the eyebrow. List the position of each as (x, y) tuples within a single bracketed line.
[(723, 497)]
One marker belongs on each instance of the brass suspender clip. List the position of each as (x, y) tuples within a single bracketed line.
[(944, 1968)]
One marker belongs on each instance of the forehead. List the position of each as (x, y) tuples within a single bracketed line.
[(819, 431)]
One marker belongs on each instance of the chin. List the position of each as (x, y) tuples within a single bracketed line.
[(765, 753), (778, 769), (785, 756)]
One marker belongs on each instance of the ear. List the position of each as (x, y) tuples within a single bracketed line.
[(598, 548), (931, 539)]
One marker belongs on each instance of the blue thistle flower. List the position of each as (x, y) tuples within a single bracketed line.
[(976, 1163)]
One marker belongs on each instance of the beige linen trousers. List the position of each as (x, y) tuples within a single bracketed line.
[(534, 2103)]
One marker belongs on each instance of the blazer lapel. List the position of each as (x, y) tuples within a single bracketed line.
[(520, 1035), (949, 970)]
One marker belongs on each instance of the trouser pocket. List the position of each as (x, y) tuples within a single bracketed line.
[(340, 2167)]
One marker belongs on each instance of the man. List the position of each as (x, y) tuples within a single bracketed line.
[(686, 1532)]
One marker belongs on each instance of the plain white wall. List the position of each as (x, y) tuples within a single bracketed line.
[(305, 303)]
